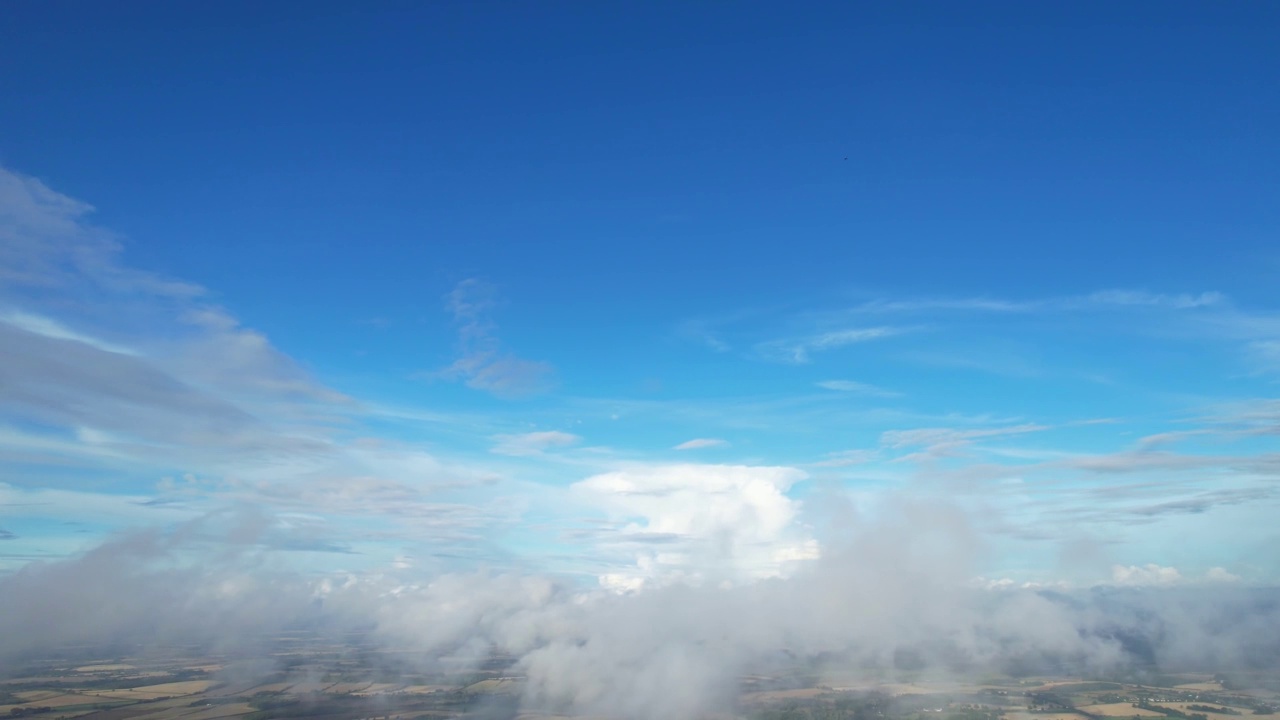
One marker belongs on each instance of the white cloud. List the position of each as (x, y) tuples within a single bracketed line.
[(859, 388), (1139, 298), (483, 363), (178, 378), (726, 522), (1149, 574), (126, 376), (1218, 574), (933, 437), (51, 328), (840, 338), (1092, 301), (847, 458), (1265, 354), (45, 242), (800, 350), (701, 444), (533, 443)]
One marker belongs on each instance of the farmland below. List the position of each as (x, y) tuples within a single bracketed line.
[(347, 679)]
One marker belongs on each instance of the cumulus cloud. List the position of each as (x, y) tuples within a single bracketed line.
[(1218, 574), (702, 444), (1149, 574), (733, 522)]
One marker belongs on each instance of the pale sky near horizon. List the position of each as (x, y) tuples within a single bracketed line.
[(645, 292)]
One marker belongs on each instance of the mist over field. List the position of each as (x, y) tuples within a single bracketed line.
[(891, 600)]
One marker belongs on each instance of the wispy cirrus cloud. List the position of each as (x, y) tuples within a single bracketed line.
[(1102, 299), (142, 363), (46, 242), (50, 328), (702, 444), (121, 377), (857, 388), (533, 443), (932, 437), (801, 350), (483, 362), (847, 458)]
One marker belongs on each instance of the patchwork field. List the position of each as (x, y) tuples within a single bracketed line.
[(1120, 710), (1200, 687), (153, 692), (1024, 715), (772, 695), (320, 683), (1245, 713)]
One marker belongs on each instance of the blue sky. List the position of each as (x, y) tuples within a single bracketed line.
[(638, 292)]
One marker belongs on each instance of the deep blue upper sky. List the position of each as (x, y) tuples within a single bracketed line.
[(674, 201), (697, 145)]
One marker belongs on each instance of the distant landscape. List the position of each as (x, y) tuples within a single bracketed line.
[(312, 678)]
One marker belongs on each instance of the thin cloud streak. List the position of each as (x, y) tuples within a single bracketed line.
[(483, 362)]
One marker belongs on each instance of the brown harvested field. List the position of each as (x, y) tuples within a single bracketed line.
[(1120, 709), (52, 699), (271, 688), (1024, 715), (770, 695), (424, 689), (1200, 687), (6, 709), (185, 687), (309, 686), (35, 696), (341, 688), (920, 688), (163, 710), (1245, 713), (221, 711), (495, 685), (125, 712), (100, 695), (378, 689), (151, 692)]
